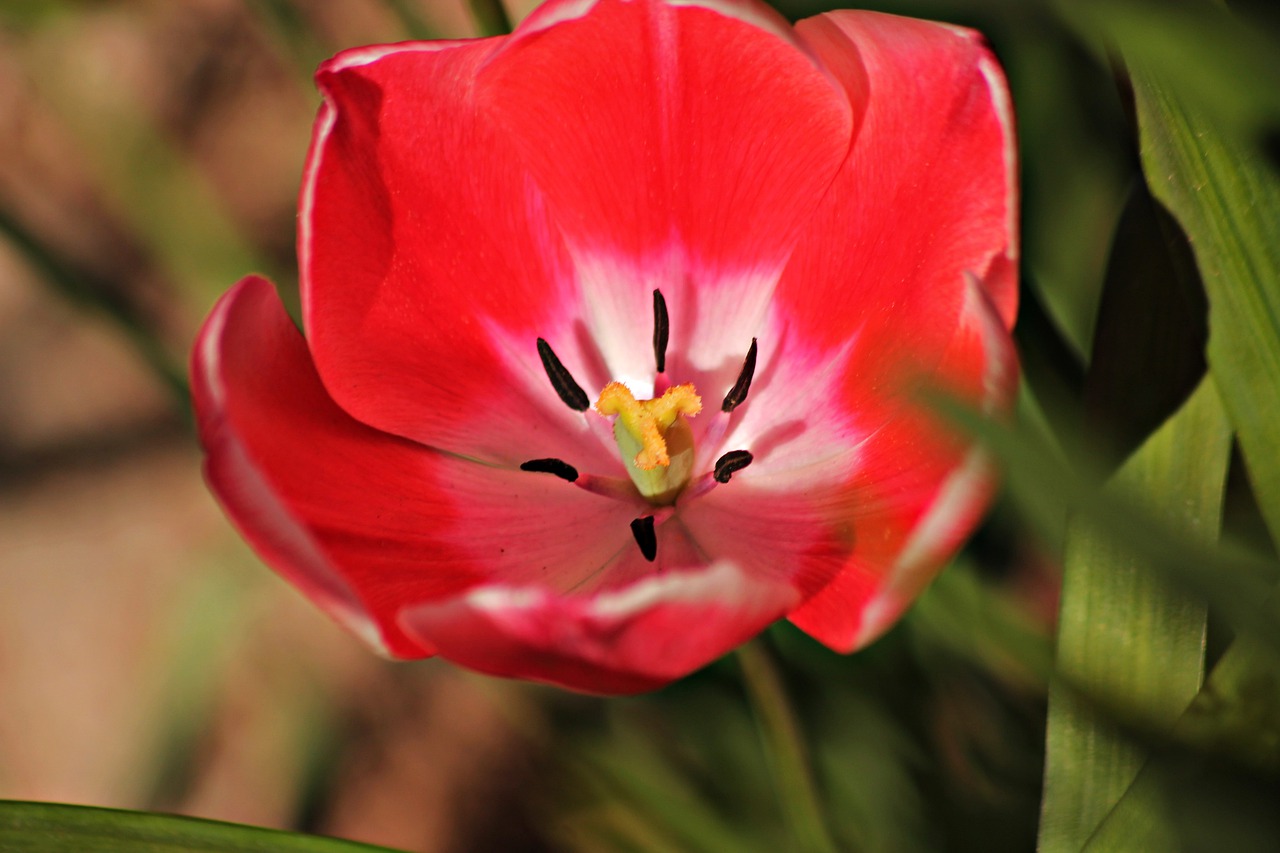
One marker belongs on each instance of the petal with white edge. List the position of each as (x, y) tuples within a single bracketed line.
[(363, 522), (626, 640)]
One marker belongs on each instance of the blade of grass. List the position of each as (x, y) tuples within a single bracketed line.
[(628, 776), (1227, 198), (1126, 635), (58, 828), (785, 749)]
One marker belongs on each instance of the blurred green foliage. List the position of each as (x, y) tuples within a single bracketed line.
[(56, 828), (1149, 138)]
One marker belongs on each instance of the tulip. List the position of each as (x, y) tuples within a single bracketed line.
[(615, 335)]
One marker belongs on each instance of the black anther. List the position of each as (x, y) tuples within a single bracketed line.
[(561, 469), (738, 392), (646, 538), (561, 380), (661, 330), (731, 463)]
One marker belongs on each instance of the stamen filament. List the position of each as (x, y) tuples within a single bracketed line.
[(615, 488), (699, 487), (562, 380)]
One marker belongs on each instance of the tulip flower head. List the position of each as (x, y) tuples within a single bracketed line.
[(614, 333)]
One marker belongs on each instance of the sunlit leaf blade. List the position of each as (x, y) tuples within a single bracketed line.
[(1126, 635), (57, 828), (1227, 198), (1236, 713)]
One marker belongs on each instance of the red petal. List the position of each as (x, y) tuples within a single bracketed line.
[(918, 491), (364, 522), (431, 242), (623, 641), (873, 296), (908, 272), (430, 265), (787, 535), (680, 146), (928, 193), (647, 121)]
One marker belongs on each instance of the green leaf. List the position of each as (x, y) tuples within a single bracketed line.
[(57, 828), (1041, 484), (1227, 198), (1149, 341), (1127, 636), (1237, 713), (1203, 49)]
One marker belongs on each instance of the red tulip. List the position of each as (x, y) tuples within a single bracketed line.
[(614, 333)]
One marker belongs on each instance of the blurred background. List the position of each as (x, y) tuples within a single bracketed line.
[(150, 155)]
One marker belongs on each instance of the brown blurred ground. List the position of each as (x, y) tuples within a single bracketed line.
[(150, 152)]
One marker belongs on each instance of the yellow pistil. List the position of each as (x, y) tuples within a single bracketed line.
[(648, 420), (653, 437)]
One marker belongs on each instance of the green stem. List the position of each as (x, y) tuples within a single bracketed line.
[(784, 749), (490, 17)]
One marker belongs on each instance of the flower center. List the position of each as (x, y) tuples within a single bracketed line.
[(654, 437)]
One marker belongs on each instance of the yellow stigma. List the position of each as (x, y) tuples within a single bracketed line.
[(647, 421)]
